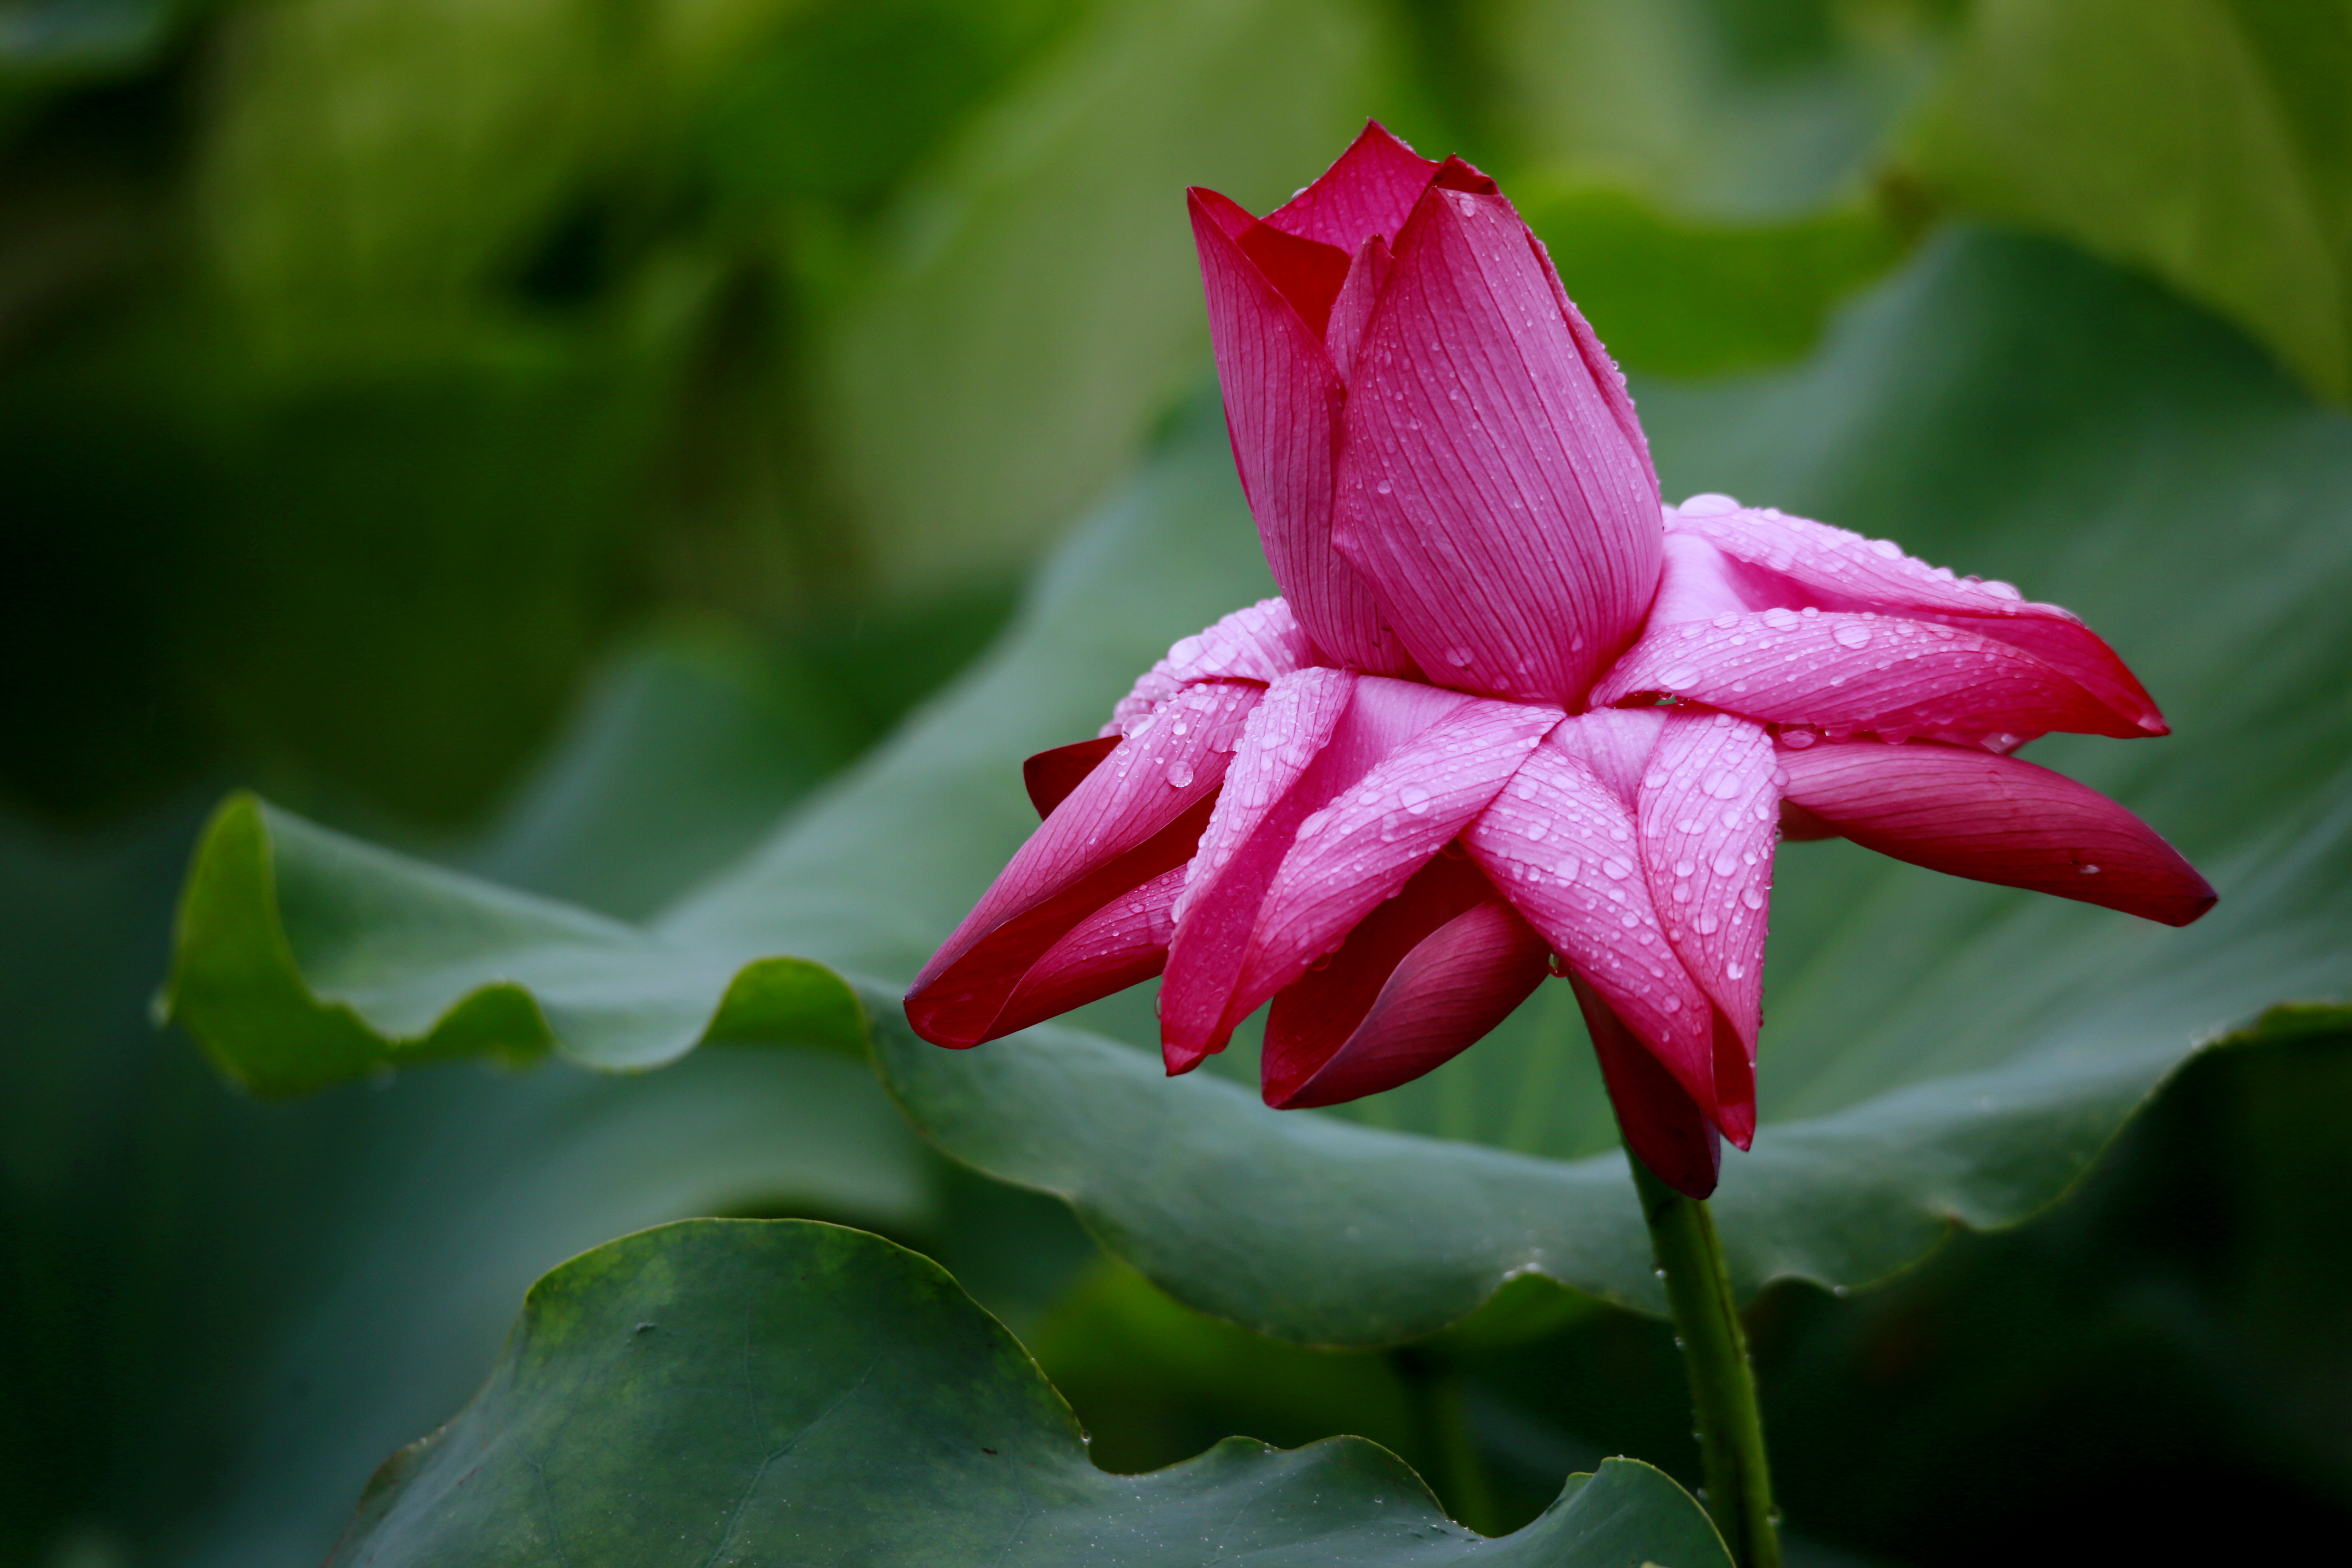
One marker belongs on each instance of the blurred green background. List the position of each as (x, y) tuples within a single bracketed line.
[(553, 435)]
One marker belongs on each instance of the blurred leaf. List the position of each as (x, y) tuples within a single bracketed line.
[(2208, 140), (1941, 1052), (997, 352), (816, 1393), (1735, 110), (1675, 297), (222, 1314)]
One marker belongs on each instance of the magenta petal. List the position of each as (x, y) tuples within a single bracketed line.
[(1282, 394), (1848, 671), (1351, 312), (1261, 642), (1318, 733), (1561, 846), (1835, 569), (1368, 841), (1708, 812), (1137, 814), (1445, 994), (1257, 817), (1507, 521), (1370, 191), (1660, 1124), (1050, 777), (1122, 943), (1995, 819)]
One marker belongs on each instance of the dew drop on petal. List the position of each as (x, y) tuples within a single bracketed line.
[(2090, 870), (1681, 677), (1382, 488), (1752, 898), (1617, 870), (1727, 863), (1708, 925), (1457, 656), (1180, 774), (1414, 799), (1851, 633)]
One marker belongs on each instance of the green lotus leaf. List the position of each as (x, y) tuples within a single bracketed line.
[(785, 1391)]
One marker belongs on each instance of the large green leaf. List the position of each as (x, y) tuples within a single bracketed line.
[(1939, 1053), (783, 1391), (2205, 140)]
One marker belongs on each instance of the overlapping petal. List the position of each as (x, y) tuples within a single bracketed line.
[(1563, 846), (1995, 819), (1283, 394), (1844, 672), (1369, 840), (1261, 642), (1662, 1125), (1318, 733), (1370, 191), (1708, 816), (1122, 943), (1793, 563), (1134, 816), (1487, 489), (1424, 975)]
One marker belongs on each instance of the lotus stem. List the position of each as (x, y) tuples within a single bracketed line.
[(1738, 1491)]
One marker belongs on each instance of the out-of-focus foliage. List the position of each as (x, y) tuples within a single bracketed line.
[(2209, 141)]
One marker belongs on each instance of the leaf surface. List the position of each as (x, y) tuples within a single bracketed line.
[(785, 1391)]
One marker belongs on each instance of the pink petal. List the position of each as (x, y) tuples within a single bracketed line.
[(1261, 642), (1846, 671), (1050, 777), (1615, 744), (1318, 733), (1368, 841), (1351, 312), (1307, 274), (1282, 394), (1709, 806), (1138, 814), (1794, 561), (1995, 819), (1123, 943), (1661, 1125), (1561, 844), (1376, 1018), (1487, 491), (1369, 191)]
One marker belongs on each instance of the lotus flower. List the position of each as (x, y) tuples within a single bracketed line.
[(1512, 716)]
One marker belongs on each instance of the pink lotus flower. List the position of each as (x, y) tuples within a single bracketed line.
[(1512, 716)]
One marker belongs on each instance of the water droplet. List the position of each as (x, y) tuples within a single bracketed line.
[(1798, 739), (1684, 867), (1413, 799), (1616, 869), (1888, 548), (2089, 871), (1681, 677), (1726, 864), (1752, 898), (1382, 488), (1851, 633), (1722, 783), (1726, 621), (1709, 504), (1708, 925), (1457, 656), (1535, 830), (1180, 775)]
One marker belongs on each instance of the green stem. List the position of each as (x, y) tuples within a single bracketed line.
[(1715, 1352)]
